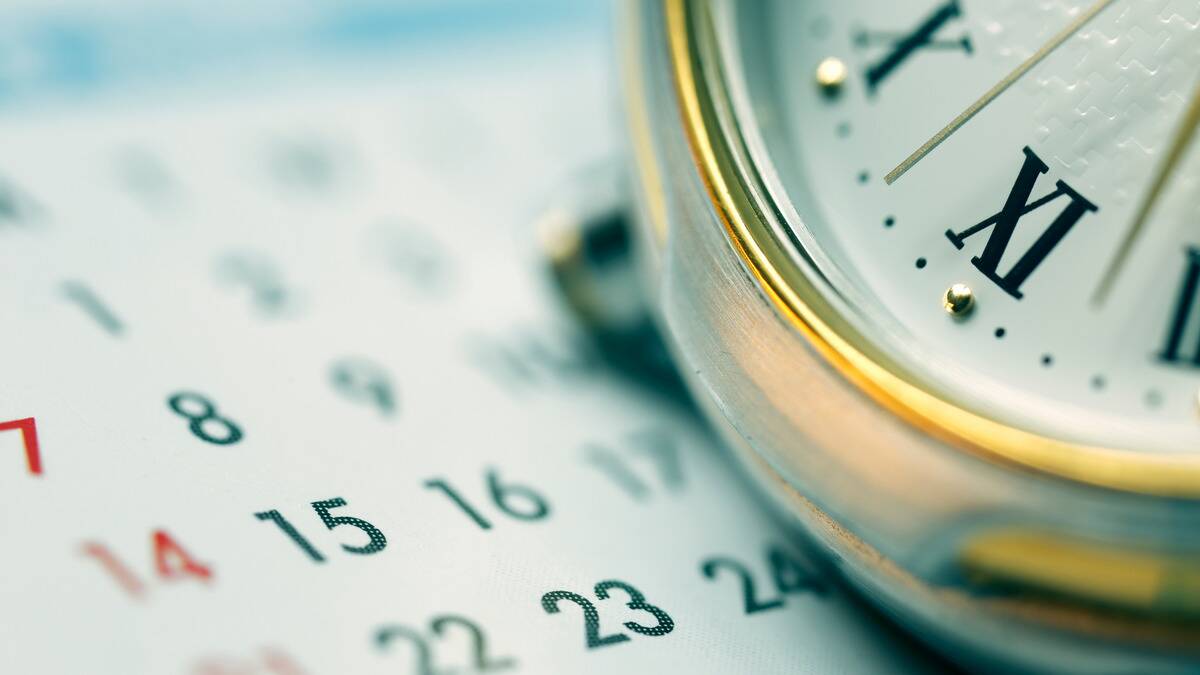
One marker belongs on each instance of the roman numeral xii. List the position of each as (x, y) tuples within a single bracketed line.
[(1185, 302)]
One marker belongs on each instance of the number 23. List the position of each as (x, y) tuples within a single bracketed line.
[(591, 618)]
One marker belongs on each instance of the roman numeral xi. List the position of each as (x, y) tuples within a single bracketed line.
[(1004, 223)]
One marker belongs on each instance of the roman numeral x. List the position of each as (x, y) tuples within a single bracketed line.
[(905, 44)]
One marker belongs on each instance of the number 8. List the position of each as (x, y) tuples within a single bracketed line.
[(207, 412)]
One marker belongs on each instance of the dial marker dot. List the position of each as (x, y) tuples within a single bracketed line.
[(863, 176), (1047, 360), (889, 221), (920, 263), (1000, 332)]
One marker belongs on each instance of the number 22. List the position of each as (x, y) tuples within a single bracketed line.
[(481, 661)]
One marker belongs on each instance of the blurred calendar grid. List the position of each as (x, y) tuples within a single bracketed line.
[(303, 397)]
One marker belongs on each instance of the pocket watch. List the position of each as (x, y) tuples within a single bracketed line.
[(933, 268)]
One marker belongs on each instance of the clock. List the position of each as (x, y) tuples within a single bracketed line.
[(934, 270)]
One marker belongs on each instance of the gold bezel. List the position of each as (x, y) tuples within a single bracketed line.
[(719, 154)]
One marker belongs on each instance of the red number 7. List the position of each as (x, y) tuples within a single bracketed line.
[(29, 435)]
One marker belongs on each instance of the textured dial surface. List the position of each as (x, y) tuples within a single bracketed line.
[(1026, 205)]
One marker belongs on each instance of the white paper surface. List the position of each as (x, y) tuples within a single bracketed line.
[(249, 239)]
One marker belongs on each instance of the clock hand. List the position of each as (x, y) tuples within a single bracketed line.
[(1179, 143), (1006, 82)]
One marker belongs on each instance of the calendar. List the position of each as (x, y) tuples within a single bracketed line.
[(287, 389)]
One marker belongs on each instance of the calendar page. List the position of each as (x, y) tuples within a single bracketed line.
[(287, 390)]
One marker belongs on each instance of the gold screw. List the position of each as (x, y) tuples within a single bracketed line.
[(559, 233), (959, 300), (831, 74)]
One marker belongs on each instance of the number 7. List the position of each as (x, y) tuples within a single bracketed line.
[(33, 458)]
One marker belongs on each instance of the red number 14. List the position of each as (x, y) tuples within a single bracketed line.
[(171, 562)]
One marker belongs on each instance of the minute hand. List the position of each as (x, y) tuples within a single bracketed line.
[(1179, 143), (995, 91)]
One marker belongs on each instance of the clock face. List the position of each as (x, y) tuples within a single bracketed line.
[(1024, 208)]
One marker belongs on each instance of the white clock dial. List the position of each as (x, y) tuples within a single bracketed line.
[(1026, 204)]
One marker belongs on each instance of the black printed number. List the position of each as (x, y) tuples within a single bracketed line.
[(591, 617), (750, 598), (439, 625), (789, 574), (203, 420), (362, 380), (520, 502), (655, 445), (376, 541)]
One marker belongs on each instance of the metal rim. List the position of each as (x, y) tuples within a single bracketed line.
[(718, 154)]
